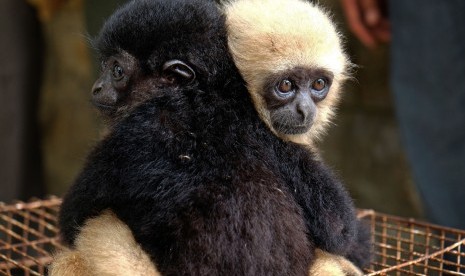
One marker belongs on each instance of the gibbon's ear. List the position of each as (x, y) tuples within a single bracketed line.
[(178, 72)]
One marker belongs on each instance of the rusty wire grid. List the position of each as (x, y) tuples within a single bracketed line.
[(409, 247), (29, 235)]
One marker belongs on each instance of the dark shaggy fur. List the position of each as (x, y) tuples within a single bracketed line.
[(203, 184), (175, 28)]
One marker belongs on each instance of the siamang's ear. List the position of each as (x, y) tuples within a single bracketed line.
[(178, 72)]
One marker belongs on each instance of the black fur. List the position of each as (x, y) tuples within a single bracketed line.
[(203, 184), (174, 27)]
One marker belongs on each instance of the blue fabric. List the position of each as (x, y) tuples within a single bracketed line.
[(428, 81)]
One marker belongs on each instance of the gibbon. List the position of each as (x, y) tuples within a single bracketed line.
[(295, 68), (277, 117)]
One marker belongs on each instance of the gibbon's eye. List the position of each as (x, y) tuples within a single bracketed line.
[(319, 84), (285, 86), (117, 72)]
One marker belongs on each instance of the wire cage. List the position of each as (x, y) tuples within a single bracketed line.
[(29, 236), (409, 247)]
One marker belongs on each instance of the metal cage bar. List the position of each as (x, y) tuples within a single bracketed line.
[(29, 236)]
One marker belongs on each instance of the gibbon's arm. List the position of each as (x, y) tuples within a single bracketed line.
[(69, 262), (328, 209), (328, 264), (330, 213), (105, 246), (80, 203)]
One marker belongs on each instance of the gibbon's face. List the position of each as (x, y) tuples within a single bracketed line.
[(112, 88), (146, 50), (291, 98), (292, 60), (123, 84)]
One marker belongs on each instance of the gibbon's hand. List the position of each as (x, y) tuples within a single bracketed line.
[(368, 20)]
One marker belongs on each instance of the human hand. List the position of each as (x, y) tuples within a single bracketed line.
[(368, 20)]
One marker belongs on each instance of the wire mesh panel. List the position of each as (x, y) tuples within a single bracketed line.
[(408, 247), (28, 235)]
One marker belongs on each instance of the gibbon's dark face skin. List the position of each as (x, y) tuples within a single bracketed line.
[(112, 87), (292, 98), (123, 84)]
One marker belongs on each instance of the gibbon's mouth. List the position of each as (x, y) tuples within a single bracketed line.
[(104, 107), (291, 129)]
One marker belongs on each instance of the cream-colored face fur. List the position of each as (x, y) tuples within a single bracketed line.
[(270, 36)]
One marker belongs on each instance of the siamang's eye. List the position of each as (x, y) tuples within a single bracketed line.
[(285, 86), (117, 72), (319, 84)]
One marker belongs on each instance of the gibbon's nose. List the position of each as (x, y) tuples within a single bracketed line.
[(104, 94), (303, 107), (96, 88), (303, 111)]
